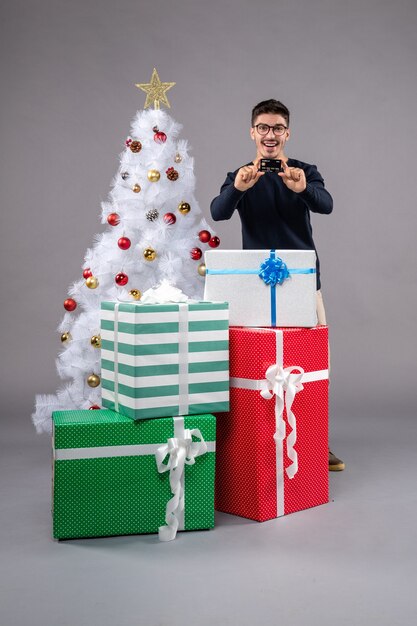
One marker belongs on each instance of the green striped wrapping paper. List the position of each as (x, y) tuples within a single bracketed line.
[(165, 359), (105, 476)]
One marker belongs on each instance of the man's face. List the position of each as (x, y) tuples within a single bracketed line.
[(271, 145)]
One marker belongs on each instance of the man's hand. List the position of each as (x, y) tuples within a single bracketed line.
[(294, 178), (247, 176)]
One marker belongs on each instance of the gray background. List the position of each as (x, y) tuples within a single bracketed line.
[(346, 70)]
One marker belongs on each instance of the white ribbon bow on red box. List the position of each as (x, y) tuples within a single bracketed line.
[(282, 383)]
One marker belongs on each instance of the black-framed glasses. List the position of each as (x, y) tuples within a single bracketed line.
[(278, 129)]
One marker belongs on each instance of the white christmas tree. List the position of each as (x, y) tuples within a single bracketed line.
[(155, 231)]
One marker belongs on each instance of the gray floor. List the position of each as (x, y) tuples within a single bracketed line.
[(352, 561)]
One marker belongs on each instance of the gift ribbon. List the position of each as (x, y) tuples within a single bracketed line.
[(284, 384), (272, 271), (182, 357), (181, 450), (116, 357)]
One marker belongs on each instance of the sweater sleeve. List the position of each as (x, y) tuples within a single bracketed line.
[(316, 197), (223, 206)]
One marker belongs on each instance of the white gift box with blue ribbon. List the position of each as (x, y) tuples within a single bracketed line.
[(275, 288)]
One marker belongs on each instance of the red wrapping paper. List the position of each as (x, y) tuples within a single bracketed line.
[(249, 481)]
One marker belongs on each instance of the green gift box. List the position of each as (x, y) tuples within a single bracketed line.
[(162, 360), (116, 476)]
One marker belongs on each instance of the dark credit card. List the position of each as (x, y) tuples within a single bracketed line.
[(269, 165)]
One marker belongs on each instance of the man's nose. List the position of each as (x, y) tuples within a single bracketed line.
[(270, 133)]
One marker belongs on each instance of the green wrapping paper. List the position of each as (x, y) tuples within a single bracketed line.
[(162, 360), (106, 479)]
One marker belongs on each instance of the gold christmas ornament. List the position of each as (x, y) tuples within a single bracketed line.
[(93, 380), (96, 341), (92, 282), (136, 188), (184, 208), (135, 293), (201, 269), (153, 176), (155, 92), (66, 337), (178, 158), (149, 254)]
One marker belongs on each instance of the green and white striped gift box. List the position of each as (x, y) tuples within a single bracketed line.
[(160, 360)]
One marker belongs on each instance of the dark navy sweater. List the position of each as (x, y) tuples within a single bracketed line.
[(272, 215)]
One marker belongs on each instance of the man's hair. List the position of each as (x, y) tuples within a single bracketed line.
[(271, 106)]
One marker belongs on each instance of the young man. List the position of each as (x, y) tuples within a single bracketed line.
[(274, 207)]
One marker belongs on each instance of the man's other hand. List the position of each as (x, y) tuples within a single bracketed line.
[(247, 176), (294, 178)]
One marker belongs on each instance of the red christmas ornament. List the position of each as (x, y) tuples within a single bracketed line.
[(121, 279), (94, 407), (124, 243), (70, 304), (87, 273), (214, 242), (128, 141), (196, 254), (169, 218), (113, 219), (204, 236), (159, 136)]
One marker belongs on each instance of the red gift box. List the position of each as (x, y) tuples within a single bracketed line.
[(272, 446)]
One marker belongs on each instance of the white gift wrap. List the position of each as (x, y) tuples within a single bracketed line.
[(252, 302)]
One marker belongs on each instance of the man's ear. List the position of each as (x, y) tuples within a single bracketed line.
[(288, 133), (252, 134)]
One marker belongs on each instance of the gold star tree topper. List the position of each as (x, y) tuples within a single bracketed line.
[(155, 91)]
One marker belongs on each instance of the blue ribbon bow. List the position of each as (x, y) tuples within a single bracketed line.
[(274, 271)]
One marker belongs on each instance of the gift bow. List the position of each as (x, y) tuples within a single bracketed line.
[(282, 383), (181, 451), (273, 270)]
